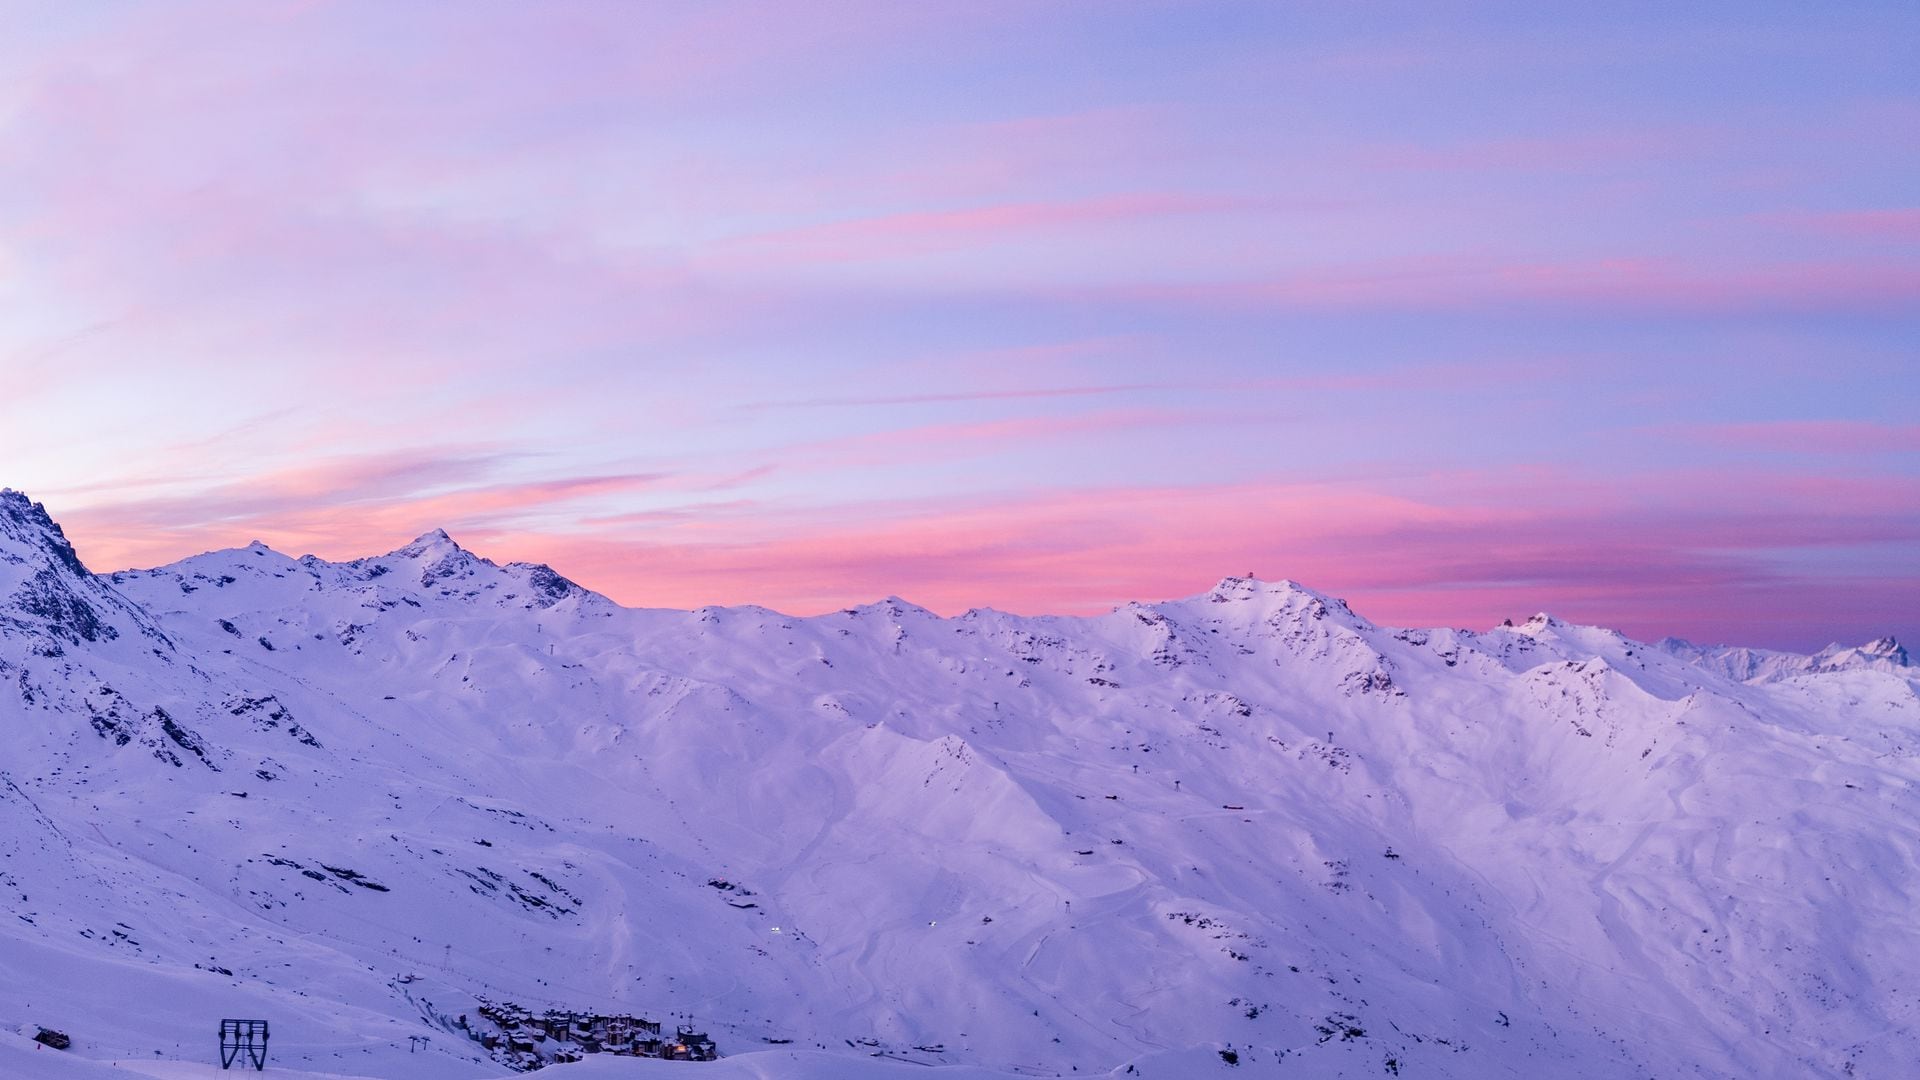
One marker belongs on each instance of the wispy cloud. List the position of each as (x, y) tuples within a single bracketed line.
[(333, 507), (1619, 286), (1898, 224), (898, 235), (1807, 436), (1038, 393), (1007, 436), (1543, 153)]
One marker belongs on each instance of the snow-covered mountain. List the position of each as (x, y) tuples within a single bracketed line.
[(1767, 665), (1248, 832)]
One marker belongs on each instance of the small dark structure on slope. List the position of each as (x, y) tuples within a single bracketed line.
[(246, 1038)]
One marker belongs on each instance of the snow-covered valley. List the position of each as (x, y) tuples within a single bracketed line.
[(1244, 833)]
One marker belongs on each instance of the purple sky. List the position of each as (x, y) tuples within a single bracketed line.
[(1458, 311)]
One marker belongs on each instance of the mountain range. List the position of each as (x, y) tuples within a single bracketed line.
[(1248, 832)]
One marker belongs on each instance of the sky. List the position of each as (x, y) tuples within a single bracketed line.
[(1458, 311)]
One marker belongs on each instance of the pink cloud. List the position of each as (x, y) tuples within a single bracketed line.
[(1451, 376), (1809, 436), (1017, 435), (918, 232), (1451, 283), (333, 509), (1580, 152), (1009, 373), (1900, 223), (1039, 393), (977, 161)]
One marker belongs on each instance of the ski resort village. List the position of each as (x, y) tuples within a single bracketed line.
[(530, 1041)]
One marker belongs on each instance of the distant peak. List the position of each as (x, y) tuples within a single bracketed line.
[(433, 541), (891, 606), (1264, 599), (1248, 585), (1889, 648)]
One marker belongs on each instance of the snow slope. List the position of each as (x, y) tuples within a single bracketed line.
[(351, 797)]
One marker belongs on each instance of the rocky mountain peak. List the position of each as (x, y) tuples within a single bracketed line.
[(432, 544), (46, 593), (28, 534), (1889, 649)]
